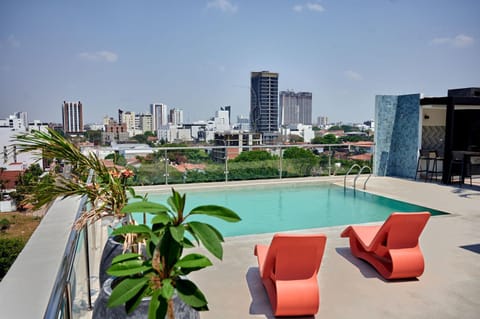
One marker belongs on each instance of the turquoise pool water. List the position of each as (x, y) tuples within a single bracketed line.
[(291, 207)]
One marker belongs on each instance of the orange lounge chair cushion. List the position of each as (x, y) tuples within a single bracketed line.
[(288, 269), (392, 248)]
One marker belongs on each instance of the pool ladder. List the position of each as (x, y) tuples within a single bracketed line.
[(356, 177)]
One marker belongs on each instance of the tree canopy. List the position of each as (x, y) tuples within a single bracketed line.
[(253, 156), (326, 139), (298, 153)]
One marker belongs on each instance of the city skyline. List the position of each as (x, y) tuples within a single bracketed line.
[(198, 56)]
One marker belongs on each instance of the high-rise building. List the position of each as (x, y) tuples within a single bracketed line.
[(23, 117), (264, 105), (120, 116), (176, 116), (143, 122), (322, 121), (72, 117), (16, 122), (228, 108), (128, 118), (222, 120), (159, 115), (295, 108)]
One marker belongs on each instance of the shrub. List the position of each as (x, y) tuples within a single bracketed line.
[(4, 224), (10, 248)]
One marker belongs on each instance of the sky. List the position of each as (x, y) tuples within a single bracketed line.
[(197, 55)]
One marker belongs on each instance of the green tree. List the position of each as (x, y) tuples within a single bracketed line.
[(326, 139), (295, 138), (299, 161), (253, 156), (10, 248), (94, 136), (330, 139), (27, 183), (118, 159), (140, 138)]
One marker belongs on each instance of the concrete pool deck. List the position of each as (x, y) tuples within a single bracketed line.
[(350, 288)]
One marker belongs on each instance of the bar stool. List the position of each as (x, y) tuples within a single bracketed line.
[(425, 156), (456, 166), (434, 171)]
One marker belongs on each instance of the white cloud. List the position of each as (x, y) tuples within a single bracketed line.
[(99, 56), (459, 41), (298, 8), (13, 42), (223, 5), (313, 6), (310, 6), (352, 75)]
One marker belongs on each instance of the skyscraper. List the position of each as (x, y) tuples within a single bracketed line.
[(295, 108), (264, 104), (176, 116), (159, 115), (72, 117), (144, 122)]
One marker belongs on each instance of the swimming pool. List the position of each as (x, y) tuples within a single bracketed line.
[(294, 206)]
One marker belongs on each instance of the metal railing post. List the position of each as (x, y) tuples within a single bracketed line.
[(281, 162), (87, 262), (329, 161), (166, 168), (226, 163)]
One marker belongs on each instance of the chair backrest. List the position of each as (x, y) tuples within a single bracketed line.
[(428, 153), (293, 256), (457, 156), (402, 230)]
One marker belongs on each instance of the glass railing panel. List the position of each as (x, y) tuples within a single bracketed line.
[(78, 281), (178, 165), (260, 169)]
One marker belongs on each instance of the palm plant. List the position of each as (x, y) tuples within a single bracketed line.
[(163, 271), (106, 191)]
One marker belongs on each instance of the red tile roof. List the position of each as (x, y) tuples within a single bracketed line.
[(10, 178)]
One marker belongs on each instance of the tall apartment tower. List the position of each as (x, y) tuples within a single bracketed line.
[(159, 115), (72, 117), (295, 108), (143, 122), (128, 118), (23, 118), (264, 105), (176, 116)]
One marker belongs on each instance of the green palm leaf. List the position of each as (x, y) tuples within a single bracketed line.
[(191, 294), (216, 211), (145, 207), (207, 237), (158, 306), (126, 290)]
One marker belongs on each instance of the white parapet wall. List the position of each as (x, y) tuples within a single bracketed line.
[(25, 290), (7, 206)]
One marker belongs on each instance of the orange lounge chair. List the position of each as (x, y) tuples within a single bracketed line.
[(289, 268), (392, 248)]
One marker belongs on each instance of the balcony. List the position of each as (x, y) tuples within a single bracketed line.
[(56, 275)]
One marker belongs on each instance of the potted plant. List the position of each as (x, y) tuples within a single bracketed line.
[(162, 273), (106, 189)]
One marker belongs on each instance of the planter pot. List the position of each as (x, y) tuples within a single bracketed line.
[(112, 249), (101, 311)]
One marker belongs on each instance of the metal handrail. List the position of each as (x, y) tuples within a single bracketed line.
[(348, 172), (358, 174), (61, 285), (356, 177)]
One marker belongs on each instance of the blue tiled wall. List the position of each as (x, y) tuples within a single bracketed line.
[(396, 135)]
